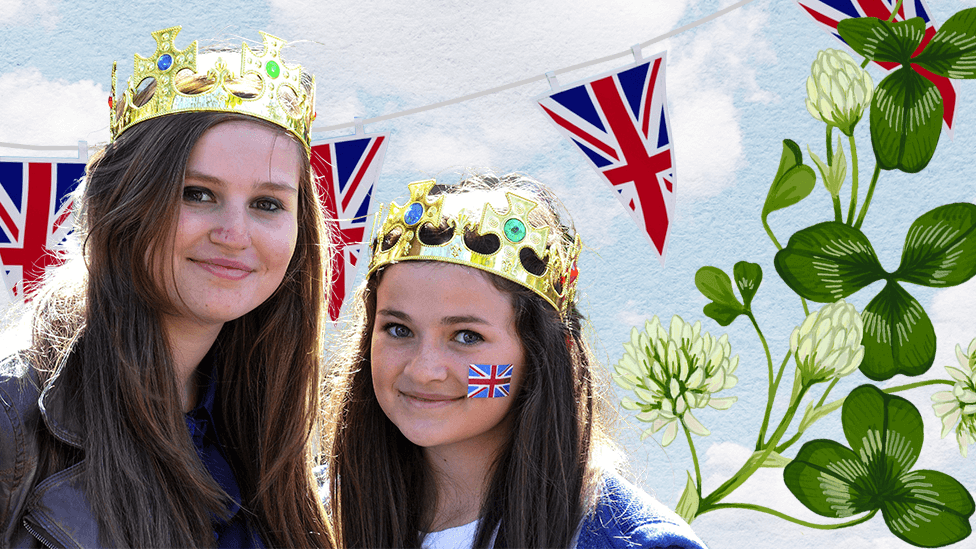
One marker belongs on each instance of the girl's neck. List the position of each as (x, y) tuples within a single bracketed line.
[(189, 343), (462, 474)]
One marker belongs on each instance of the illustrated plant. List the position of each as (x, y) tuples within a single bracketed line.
[(674, 371)]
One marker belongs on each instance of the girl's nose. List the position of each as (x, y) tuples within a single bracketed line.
[(231, 229), (429, 365)]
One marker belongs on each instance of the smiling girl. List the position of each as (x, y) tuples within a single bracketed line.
[(184, 331), (468, 408)]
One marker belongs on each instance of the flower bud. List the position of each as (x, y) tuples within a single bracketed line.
[(828, 343), (838, 90)]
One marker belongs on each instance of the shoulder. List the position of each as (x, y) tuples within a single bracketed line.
[(19, 420), (627, 517)]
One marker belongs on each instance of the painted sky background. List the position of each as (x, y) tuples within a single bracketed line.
[(736, 90)]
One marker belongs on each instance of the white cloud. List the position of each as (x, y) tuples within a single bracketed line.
[(20, 13), (710, 69), (37, 111)]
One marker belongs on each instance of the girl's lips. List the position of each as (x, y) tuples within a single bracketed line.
[(427, 400), (224, 268)]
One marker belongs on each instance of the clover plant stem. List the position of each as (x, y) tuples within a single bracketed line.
[(694, 457), (850, 211), (799, 432), (784, 516), (769, 402), (827, 392), (894, 11), (771, 393), (838, 214), (772, 237), (867, 199), (806, 310), (753, 463)]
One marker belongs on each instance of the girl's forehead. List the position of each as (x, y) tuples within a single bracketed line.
[(434, 286)]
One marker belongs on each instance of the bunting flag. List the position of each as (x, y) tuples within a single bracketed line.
[(620, 122), (35, 217), (830, 12), (347, 170)]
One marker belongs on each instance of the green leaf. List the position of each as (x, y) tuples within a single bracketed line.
[(940, 249), (928, 509), (829, 479), (774, 460), (688, 504), (748, 277), (714, 284), (884, 430), (906, 120), (828, 261), (882, 41), (952, 51), (793, 182), (898, 335)]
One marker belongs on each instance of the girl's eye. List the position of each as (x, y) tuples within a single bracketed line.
[(467, 337), (397, 330), (197, 194), (268, 204)]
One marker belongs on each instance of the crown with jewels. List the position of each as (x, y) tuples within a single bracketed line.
[(399, 239), (277, 91)]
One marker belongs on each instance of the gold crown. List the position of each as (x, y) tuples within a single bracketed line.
[(275, 91), (399, 239)]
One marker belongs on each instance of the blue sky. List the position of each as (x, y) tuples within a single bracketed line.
[(736, 90)]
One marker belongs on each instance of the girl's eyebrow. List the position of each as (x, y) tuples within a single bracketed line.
[(264, 185), (446, 321)]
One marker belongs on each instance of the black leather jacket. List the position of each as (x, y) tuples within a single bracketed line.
[(55, 512)]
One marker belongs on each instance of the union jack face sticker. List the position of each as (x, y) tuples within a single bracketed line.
[(489, 380)]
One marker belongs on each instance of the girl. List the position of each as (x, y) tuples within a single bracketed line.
[(171, 348), (471, 294)]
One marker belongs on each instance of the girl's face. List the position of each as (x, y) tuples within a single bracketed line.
[(432, 321), (238, 222)]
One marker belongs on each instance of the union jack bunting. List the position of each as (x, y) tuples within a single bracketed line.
[(829, 12), (35, 217), (620, 122), (347, 170), (489, 380)]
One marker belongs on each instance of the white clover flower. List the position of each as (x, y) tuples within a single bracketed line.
[(828, 343), (959, 404), (673, 372), (838, 90)]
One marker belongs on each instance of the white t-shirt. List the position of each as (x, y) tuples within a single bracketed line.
[(452, 538)]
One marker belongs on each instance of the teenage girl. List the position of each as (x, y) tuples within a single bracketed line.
[(183, 333), (468, 409)]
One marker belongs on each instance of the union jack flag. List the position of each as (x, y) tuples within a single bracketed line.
[(489, 380), (829, 12), (620, 122), (347, 170), (35, 218)]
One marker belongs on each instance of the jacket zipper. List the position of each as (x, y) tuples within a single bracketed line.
[(38, 536)]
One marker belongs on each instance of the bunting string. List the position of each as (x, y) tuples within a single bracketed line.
[(463, 98)]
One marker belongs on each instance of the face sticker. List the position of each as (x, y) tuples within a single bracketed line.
[(489, 380)]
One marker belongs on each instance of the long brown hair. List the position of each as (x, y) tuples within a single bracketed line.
[(143, 479), (542, 483)]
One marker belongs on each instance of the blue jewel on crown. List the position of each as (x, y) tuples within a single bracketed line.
[(164, 62), (413, 214)]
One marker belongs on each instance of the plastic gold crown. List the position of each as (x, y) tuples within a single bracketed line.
[(274, 91), (557, 284)]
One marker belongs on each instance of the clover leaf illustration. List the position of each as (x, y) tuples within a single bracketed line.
[(922, 507)]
